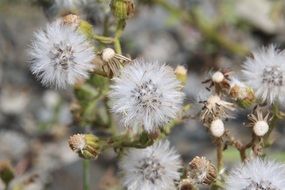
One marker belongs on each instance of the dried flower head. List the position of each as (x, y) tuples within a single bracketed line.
[(60, 55), (85, 145), (264, 72), (220, 80), (202, 171), (153, 168), (215, 107), (146, 95), (113, 62), (259, 122), (257, 174)]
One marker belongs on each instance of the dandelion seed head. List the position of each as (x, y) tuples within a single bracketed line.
[(257, 174), (146, 95), (107, 54), (60, 55), (264, 73), (153, 168)]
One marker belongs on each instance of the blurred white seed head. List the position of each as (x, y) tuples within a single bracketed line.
[(60, 55), (153, 168), (264, 72), (260, 128), (146, 95), (257, 174), (217, 128), (108, 54), (259, 122), (218, 77)]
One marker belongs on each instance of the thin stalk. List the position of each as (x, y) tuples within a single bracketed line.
[(220, 149), (86, 174), (119, 30)]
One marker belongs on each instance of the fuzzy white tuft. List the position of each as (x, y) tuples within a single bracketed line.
[(60, 55), (265, 74), (257, 174), (217, 128), (153, 168), (146, 95)]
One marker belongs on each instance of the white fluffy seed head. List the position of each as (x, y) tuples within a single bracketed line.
[(260, 128), (152, 168), (146, 95), (257, 174), (60, 55), (218, 77), (108, 54), (264, 72), (217, 128)]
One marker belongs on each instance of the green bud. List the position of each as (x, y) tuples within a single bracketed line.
[(122, 9)]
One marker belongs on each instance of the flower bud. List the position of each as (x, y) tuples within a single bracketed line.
[(122, 9), (181, 73), (6, 172), (244, 95), (202, 171), (85, 145), (72, 20), (260, 128), (217, 128)]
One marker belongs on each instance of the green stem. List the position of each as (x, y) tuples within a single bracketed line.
[(103, 39), (119, 30), (86, 174)]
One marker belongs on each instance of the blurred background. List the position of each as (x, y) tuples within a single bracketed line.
[(202, 35)]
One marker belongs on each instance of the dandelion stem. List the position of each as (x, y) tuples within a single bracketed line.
[(220, 149), (119, 30), (86, 174)]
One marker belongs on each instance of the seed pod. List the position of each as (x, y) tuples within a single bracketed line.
[(202, 171), (85, 145)]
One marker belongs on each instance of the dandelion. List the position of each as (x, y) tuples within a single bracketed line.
[(60, 55), (257, 174), (259, 122), (265, 74), (153, 168), (146, 95)]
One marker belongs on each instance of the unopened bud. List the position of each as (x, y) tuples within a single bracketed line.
[(122, 9), (217, 128), (85, 145), (72, 20), (6, 172), (181, 73), (202, 171), (244, 95)]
